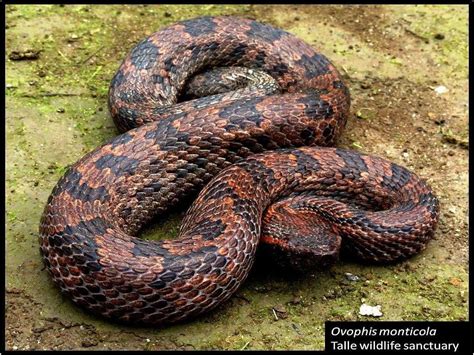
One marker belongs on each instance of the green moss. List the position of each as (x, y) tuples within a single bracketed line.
[(165, 229), (445, 28)]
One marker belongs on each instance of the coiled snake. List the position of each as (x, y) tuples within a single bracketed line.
[(244, 144)]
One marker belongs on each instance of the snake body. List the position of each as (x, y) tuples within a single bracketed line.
[(266, 179)]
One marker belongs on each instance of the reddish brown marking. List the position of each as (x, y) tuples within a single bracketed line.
[(102, 266)]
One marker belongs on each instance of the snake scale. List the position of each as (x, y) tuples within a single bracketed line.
[(261, 156)]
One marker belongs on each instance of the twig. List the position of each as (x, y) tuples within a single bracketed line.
[(424, 39), (246, 344), (99, 68), (62, 55), (48, 94), (274, 313), (93, 54)]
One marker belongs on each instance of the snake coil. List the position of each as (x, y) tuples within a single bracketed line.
[(254, 147)]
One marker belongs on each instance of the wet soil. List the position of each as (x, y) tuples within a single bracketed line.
[(407, 71)]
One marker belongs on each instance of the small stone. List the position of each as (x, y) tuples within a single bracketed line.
[(351, 277), (441, 89), (61, 110), (455, 281), (295, 300), (372, 311), (73, 38), (29, 54), (279, 312), (279, 308), (87, 343)]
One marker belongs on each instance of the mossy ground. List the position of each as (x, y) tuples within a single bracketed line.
[(393, 57)]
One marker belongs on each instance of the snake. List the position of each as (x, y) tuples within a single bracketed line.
[(255, 148)]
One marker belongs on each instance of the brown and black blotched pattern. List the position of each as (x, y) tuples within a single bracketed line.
[(310, 201)]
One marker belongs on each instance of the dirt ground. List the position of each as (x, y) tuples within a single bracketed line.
[(406, 67)]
